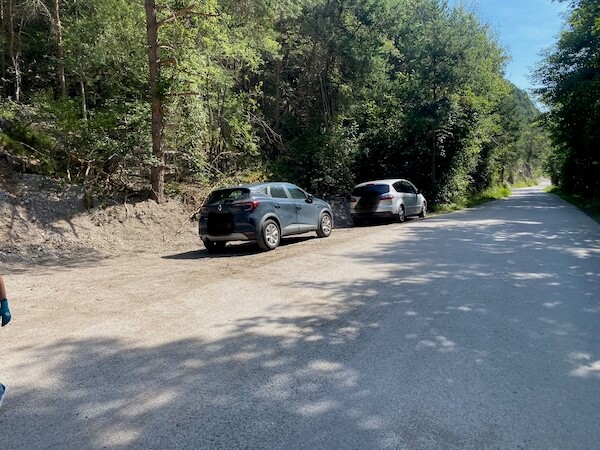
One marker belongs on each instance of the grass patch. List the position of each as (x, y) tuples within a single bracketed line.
[(590, 206), (443, 208), (525, 182), (488, 195), (494, 193)]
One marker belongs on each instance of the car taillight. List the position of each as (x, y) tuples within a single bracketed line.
[(250, 206), (386, 197), (352, 200)]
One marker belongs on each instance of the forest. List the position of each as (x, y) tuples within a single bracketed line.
[(146, 97)]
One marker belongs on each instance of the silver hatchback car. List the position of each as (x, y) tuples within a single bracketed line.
[(386, 199)]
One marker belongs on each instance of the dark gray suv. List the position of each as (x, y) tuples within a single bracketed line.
[(261, 212)]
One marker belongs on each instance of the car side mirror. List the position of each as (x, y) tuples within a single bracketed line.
[(309, 198)]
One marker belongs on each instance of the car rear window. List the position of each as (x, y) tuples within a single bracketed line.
[(370, 189), (231, 194)]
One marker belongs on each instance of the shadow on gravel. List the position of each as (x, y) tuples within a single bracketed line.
[(378, 223), (249, 390), (24, 260), (236, 249), (461, 372)]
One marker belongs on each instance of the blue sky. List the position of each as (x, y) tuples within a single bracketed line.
[(523, 28)]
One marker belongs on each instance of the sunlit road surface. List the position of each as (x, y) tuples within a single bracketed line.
[(477, 329)]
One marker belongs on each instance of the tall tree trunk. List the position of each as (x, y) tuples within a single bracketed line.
[(278, 67), (157, 176), (433, 155), (59, 49), (84, 113), (2, 53), (14, 57), (434, 92)]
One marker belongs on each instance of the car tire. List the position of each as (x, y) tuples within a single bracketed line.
[(270, 235), (401, 214), (423, 212), (213, 246), (325, 225)]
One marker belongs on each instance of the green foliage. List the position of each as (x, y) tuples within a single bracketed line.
[(208, 90), (492, 193), (324, 93), (589, 205), (570, 75), (113, 134), (104, 51), (526, 182), (444, 81), (518, 142), (25, 143)]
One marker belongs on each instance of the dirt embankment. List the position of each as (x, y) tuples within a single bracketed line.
[(44, 221)]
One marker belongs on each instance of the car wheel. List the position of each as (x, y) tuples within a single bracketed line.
[(270, 235), (401, 214), (325, 225), (423, 212), (213, 246)]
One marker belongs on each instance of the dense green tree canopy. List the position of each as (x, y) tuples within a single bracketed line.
[(324, 93), (570, 75)]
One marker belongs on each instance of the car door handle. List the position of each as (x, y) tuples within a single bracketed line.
[(277, 205), (298, 207)]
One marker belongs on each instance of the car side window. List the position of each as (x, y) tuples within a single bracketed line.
[(296, 193), (398, 186), (278, 191), (406, 187), (410, 188), (264, 191)]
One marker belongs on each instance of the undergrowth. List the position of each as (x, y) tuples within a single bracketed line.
[(493, 193), (590, 206)]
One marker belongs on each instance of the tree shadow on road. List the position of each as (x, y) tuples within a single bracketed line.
[(335, 379), (234, 249)]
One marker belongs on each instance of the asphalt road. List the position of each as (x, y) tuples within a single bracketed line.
[(477, 329)]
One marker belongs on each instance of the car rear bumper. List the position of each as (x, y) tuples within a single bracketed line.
[(373, 215), (219, 227), (228, 237)]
